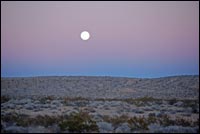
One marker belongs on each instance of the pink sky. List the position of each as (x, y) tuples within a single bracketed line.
[(136, 39)]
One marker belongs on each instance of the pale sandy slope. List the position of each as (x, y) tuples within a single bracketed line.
[(186, 87)]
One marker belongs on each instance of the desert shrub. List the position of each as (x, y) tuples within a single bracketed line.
[(146, 99), (10, 117), (194, 110), (133, 101), (138, 123), (116, 121), (183, 122), (165, 120), (172, 101), (191, 103), (141, 101), (109, 99), (79, 122), (25, 120), (75, 98), (79, 101), (152, 119), (50, 98), (4, 99), (65, 101), (100, 99), (19, 119), (106, 118), (43, 100), (196, 123), (42, 120)]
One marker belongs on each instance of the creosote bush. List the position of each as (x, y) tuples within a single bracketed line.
[(116, 121), (79, 122), (138, 123), (4, 99), (141, 101), (44, 99)]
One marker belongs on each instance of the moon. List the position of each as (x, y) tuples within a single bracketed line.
[(85, 35)]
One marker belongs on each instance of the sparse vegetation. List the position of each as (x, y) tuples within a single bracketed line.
[(141, 101), (11, 117), (116, 121), (165, 120), (189, 103), (4, 99), (151, 119), (80, 101), (76, 98), (25, 120), (33, 105), (172, 101), (138, 123), (182, 122), (39, 120), (43, 100), (79, 122), (146, 99)]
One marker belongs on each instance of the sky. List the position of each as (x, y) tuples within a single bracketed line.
[(127, 39)]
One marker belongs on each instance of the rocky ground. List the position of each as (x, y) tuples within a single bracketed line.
[(100, 104)]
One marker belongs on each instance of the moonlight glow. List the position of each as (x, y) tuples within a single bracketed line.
[(85, 35)]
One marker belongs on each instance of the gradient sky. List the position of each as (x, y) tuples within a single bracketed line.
[(131, 39)]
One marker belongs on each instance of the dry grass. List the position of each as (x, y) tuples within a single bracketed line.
[(4, 99), (25, 120), (117, 120), (138, 123), (142, 101)]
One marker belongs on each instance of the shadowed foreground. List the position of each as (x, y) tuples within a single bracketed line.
[(100, 104)]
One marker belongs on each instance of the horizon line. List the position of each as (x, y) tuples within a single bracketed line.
[(98, 76)]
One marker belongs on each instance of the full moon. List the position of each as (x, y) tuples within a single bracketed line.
[(85, 35)]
